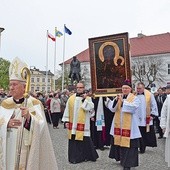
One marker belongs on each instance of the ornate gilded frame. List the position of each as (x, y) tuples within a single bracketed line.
[(109, 63)]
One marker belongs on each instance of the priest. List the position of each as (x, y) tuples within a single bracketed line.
[(25, 141), (79, 109), (148, 110), (125, 131)]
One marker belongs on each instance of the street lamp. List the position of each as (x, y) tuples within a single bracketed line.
[(1, 29)]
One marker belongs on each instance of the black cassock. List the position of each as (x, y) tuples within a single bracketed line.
[(101, 138), (80, 151), (128, 157)]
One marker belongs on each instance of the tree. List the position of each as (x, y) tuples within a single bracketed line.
[(67, 81), (85, 73), (148, 70), (4, 73)]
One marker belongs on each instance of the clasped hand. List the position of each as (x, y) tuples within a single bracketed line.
[(119, 97), (15, 123), (84, 96)]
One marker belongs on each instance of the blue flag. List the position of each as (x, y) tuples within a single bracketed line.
[(67, 30)]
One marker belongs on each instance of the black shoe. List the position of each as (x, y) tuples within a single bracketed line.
[(142, 152), (126, 168), (73, 162), (160, 137), (102, 148), (142, 149)]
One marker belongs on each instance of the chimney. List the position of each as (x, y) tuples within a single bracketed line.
[(140, 35)]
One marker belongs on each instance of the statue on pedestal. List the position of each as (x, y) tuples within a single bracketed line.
[(75, 70)]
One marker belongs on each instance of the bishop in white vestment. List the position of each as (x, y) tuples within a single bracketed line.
[(25, 142)]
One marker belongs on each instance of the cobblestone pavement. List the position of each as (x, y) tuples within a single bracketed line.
[(152, 159)]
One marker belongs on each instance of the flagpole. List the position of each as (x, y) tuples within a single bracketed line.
[(47, 64), (55, 58), (63, 61)]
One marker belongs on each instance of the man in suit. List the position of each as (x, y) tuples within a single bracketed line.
[(160, 98)]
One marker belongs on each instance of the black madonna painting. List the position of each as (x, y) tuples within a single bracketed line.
[(109, 63)]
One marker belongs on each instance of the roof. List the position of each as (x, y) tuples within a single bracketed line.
[(140, 46), (149, 45), (42, 72)]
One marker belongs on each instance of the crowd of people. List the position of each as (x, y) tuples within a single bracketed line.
[(126, 123), (100, 120)]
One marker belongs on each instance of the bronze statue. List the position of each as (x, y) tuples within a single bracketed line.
[(75, 70)]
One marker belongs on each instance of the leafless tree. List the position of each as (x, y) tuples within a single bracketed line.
[(148, 70)]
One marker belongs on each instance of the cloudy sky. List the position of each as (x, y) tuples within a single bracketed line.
[(27, 21)]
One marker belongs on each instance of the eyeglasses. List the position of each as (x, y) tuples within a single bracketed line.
[(79, 87)]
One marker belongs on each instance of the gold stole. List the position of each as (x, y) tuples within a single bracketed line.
[(80, 121), (122, 136), (148, 108)]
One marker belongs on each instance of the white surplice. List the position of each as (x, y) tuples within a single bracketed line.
[(37, 150), (87, 105), (142, 109), (165, 123), (132, 108)]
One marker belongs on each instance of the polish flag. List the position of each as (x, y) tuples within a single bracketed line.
[(51, 36)]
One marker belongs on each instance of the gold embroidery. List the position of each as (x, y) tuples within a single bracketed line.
[(9, 103), (2, 121), (14, 68), (21, 167), (33, 113), (1, 153), (36, 102)]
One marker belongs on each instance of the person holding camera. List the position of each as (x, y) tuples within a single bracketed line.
[(77, 116)]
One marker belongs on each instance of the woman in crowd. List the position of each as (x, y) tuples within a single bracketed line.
[(55, 107)]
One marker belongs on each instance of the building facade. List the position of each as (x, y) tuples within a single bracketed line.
[(38, 81)]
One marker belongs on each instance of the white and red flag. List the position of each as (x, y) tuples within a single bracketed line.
[(51, 36)]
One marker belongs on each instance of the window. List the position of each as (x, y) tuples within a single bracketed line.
[(32, 80), (38, 88), (168, 68), (43, 79), (49, 89), (48, 80), (32, 89), (38, 79), (43, 88)]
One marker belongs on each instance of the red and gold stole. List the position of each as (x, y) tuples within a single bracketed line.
[(122, 135), (80, 121), (148, 108)]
